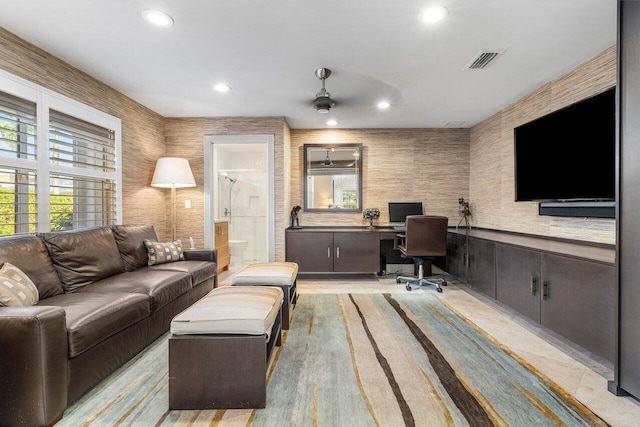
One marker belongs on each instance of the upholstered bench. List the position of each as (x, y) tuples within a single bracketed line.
[(282, 274), (220, 347)]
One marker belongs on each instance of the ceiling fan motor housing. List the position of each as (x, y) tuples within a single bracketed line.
[(323, 101), (323, 104)]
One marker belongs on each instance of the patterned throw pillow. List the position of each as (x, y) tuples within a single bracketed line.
[(16, 289), (160, 252)]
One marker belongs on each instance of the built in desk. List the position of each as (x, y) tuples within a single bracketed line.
[(335, 249)]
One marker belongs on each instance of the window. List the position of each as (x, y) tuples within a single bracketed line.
[(66, 178)]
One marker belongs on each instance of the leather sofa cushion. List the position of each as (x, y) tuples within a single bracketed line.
[(92, 318), (160, 286), (30, 255), (198, 270), (130, 241), (83, 256)]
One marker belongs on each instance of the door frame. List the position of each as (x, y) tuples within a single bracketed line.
[(209, 188)]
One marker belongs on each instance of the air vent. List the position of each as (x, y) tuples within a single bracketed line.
[(483, 59), (454, 124)]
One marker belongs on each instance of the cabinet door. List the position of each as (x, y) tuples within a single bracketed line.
[(222, 244), (456, 249), (482, 266), (518, 283), (356, 252), (313, 252), (579, 302)]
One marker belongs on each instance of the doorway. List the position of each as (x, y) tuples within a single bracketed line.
[(239, 189)]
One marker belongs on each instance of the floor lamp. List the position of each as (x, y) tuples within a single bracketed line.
[(173, 172)]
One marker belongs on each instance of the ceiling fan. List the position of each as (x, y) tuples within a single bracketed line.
[(323, 102)]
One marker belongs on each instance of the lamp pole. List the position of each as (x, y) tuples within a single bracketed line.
[(173, 212)]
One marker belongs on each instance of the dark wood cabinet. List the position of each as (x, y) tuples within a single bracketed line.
[(329, 252), (481, 264), (311, 251), (456, 255), (571, 296), (578, 302), (518, 279), (356, 252)]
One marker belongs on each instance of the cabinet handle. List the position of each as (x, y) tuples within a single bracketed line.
[(338, 252), (534, 285), (328, 252), (545, 289)]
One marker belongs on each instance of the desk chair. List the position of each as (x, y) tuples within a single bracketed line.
[(424, 239)]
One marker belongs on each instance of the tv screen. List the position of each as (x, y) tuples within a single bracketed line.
[(398, 211), (568, 154)]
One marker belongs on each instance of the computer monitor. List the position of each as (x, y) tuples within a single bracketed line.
[(398, 211)]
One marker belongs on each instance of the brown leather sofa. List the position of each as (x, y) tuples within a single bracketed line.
[(100, 304)]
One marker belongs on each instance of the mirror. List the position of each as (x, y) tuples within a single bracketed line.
[(333, 178)]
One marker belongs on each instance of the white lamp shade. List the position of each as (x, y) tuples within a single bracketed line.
[(172, 172)]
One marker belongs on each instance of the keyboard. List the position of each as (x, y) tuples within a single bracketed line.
[(400, 227)]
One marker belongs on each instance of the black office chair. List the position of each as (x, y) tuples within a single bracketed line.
[(424, 239)]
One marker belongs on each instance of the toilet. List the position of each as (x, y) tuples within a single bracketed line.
[(236, 250)]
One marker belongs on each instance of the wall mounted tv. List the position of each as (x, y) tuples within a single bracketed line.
[(568, 155)]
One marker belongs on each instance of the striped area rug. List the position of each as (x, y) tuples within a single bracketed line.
[(358, 360)]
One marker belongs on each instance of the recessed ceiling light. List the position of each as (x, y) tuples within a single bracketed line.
[(434, 14), (383, 105), (157, 17), (332, 122), (222, 87)]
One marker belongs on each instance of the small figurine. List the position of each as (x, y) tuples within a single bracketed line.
[(464, 211), (294, 221)]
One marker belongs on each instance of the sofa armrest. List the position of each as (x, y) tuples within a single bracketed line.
[(33, 365), (201, 255)]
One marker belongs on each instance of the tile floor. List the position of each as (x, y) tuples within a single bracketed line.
[(577, 371)]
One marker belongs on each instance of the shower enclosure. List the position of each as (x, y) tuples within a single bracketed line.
[(241, 195)]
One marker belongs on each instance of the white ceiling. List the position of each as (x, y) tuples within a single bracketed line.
[(267, 51)]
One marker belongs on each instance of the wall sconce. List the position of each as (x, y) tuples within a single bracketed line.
[(173, 172)]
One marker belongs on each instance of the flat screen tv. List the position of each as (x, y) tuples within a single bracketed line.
[(568, 154), (398, 211)]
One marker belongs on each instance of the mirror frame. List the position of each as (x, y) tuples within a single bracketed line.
[(305, 148)]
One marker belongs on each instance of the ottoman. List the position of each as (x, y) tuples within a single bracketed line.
[(220, 348), (282, 274)]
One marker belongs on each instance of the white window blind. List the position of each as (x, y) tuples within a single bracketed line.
[(62, 179), (18, 209), (17, 127), (80, 144), (77, 202)]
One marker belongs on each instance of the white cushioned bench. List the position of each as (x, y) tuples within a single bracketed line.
[(220, 348), (282, 274)]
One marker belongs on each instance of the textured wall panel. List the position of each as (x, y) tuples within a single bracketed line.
[(402, 165), (142, 129), (185, 138), (492, 184)]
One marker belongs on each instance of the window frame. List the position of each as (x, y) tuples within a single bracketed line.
[(47, 100)]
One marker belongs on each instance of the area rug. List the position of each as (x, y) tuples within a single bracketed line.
[(404, 359)]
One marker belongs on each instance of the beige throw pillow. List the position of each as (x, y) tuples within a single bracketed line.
[(160, 252), (16, 289)]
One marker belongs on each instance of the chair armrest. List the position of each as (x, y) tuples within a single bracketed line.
[(398, 238), (201, 255), (33, 365)]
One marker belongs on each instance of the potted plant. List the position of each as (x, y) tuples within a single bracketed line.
[(371, 214)]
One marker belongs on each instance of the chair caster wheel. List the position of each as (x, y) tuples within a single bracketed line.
[(439, 290), (408, 288), (444, 283), (398, 280)]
